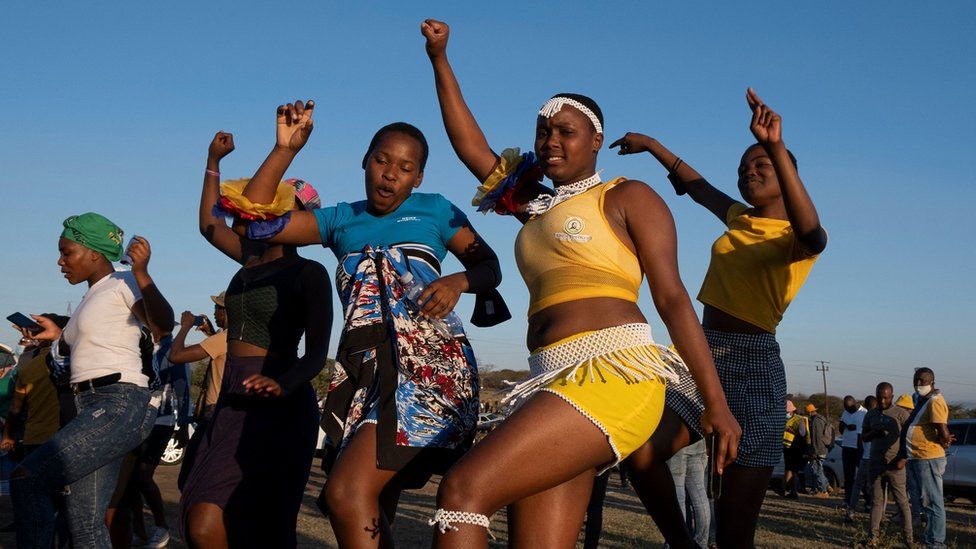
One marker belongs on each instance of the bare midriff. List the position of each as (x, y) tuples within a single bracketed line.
[(719, 320), (236, 347), (565, 319)]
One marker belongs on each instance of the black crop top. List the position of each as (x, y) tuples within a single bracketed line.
[(273, 304)]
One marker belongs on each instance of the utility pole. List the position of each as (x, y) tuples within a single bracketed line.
[(823, 369)]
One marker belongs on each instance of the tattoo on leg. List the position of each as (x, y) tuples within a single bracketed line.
[(375, 530)]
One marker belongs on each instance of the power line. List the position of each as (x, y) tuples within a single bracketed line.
[(823, 368)]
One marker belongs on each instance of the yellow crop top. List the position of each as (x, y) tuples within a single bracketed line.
[(571, 253), (757, 267)]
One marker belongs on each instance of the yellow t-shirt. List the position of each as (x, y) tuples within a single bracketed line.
[(43, 409), (922, 436), (756, 270)]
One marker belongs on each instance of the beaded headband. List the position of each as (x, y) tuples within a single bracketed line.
[(556, 104)]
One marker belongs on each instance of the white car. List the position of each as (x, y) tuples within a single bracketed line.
[(959, 479)]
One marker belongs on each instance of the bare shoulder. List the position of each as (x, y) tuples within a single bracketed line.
[(633, 195)]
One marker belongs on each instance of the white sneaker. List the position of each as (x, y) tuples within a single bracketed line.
[(158, 539)]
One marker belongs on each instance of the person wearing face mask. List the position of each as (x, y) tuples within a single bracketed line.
[(852, 449), (924, 441)]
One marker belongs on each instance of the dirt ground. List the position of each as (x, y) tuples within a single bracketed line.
[(807, 522)]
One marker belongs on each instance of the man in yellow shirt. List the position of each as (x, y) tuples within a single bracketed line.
[(925, 439)]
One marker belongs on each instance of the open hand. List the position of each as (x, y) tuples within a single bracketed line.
[(632, 143), (441, 295), (222, 145), (766, 125), (260, 385), (719, 420), (436, 32), (294, 123)]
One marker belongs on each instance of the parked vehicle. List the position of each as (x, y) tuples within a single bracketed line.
[(959, 479), (833, 468)]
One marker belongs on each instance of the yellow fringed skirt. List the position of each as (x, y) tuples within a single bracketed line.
[(615, 377)]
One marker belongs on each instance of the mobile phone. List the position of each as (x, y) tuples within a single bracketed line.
[(198, 321), (714, 488), (26, 322)]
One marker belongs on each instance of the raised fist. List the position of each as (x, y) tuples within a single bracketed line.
[(436, 32), (222, 145)]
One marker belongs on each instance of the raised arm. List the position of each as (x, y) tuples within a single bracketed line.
[(466, 137), (684, 178), (213, 227), (650, 227), (180, 352), (153, 309), (767, 127), (293, 127)]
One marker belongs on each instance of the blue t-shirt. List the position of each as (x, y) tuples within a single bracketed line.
[(423, 218)]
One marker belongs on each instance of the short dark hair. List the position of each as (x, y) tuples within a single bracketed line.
[(884, 385), (870, 401), (590, 104), (406, 129), (789, 152), (924, 370)]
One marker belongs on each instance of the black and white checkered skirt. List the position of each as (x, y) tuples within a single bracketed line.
[(754, 380)]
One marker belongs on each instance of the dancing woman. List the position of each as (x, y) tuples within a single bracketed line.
[(757, 267), (598, 384), (403, 402), (99, 350), (245, 485)]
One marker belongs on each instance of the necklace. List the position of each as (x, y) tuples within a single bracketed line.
[(544, 203)]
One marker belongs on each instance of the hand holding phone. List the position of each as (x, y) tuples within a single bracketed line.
[(714, 488), (23, 321)]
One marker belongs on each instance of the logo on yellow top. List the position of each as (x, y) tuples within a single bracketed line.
[(572, 229)]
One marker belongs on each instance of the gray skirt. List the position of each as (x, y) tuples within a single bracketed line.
[(754, 381)]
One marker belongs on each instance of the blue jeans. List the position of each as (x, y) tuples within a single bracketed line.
[(688, 471), (817, 478), (81, 461), (928, 480)]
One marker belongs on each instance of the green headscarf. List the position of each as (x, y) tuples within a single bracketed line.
[(96, 233)]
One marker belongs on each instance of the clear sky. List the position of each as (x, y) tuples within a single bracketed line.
[(110, 107)]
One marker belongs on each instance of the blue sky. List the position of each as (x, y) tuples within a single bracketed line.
[(110, 107)]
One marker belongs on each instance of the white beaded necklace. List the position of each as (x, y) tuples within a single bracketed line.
[(543, 203)]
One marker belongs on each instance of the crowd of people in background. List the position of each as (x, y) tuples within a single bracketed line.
[(697, 428), (891, 449)]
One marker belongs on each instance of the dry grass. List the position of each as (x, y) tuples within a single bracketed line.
[(806, 522)]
